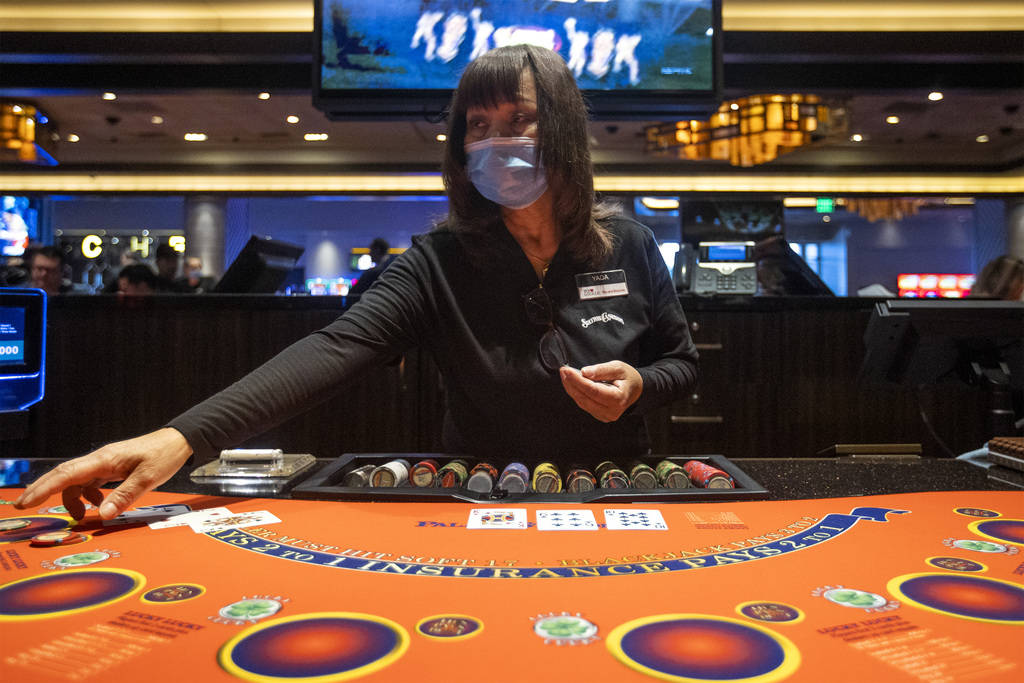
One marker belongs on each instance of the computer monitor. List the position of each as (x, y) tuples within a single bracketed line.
[(22, 347), (929, 341), (260, 268)]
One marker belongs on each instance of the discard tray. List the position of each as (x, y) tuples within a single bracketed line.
[(327, 484)]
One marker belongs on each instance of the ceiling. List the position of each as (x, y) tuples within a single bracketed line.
[(245, 132), (202, 81)]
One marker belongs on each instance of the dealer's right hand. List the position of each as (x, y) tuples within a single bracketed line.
[(143, 463)]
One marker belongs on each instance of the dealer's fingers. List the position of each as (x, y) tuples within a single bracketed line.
[(68, 474), (604, 402)]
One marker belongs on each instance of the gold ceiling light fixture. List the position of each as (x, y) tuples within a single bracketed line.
[(751, 130), (884, 208), (18, 133)]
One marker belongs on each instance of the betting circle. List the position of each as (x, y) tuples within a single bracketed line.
[(314, 648), (37, 524), (1004, 530), (703, 647), (965, 596), (66, 592)]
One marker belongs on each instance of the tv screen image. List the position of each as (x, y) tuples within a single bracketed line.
[(371, 52), (18, 225)]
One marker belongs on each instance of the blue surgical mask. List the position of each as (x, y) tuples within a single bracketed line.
[(506, 171)]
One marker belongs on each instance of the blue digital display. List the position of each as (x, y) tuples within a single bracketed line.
[(22, 347), (12, 336), (639, 45), (727, 252), (633, 59)]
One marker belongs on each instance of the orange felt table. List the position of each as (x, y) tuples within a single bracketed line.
[(898, 587)]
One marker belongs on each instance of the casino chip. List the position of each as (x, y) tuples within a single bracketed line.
[(12, 524), (54, 538)]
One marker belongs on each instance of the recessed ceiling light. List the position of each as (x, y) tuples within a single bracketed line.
[(734, 106), (73, 138), (441, 137), (314, 137), (264, 96), (195, 137), (156, 120), (109, 96), (981, 138), (856, 137), (892, 119), (292, 118), (935, 96)]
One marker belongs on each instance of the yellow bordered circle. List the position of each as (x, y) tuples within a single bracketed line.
[(895, 583), (931, 562), (143, 598), (138, 579), (790, 652), (224, 655), (799, 612), (973, 528), (69, 523), (475, 632), (962, 510)]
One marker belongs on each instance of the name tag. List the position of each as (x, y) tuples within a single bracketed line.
[(602, 285)]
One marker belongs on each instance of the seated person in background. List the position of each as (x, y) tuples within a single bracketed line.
[(1001, 278), (379, 255), (137, 280), (543, 353), (46, 270), (194, 282), (167, 269)]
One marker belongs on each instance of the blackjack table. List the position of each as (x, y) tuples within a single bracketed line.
[(842, 573)]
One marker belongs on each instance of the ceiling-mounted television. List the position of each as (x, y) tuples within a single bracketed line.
[(634, 59)]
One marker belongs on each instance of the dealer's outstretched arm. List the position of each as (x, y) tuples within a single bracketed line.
[(143, 463)]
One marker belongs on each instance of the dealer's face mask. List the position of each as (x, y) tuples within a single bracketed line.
[(506, 171)]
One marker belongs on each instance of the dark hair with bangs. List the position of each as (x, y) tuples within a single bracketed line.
[(562, 141)]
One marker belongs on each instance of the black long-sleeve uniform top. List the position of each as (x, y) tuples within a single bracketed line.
[(461, 297)]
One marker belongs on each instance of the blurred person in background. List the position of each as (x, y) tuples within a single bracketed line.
[(167, 261), (137, 280), (193, 281), (1001, 278), (379, 255), (46, 270)]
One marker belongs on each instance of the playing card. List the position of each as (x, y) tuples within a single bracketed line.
[(187, 518), (628, 518), (145, 515), (497, 518), (566, 520), (237, 520)]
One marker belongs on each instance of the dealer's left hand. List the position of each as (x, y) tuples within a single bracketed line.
[(604, 390)]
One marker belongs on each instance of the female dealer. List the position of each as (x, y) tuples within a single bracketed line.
[(553, 321)]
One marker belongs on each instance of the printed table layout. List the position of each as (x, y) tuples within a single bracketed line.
[(922, 586)]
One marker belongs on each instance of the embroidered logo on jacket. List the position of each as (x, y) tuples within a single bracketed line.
[(603, 318)]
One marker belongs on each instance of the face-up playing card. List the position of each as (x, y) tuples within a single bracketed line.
[(236, 520), (497, 518), (187, 518), (628, 518), (566, 520), (145, 515)]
